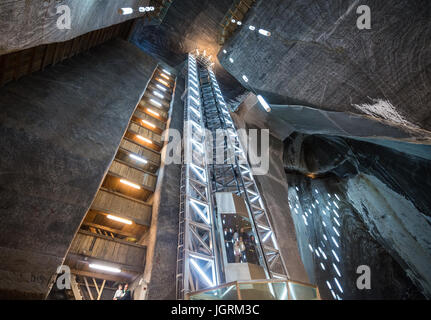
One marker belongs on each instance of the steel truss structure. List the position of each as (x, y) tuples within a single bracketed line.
[(214, 162)]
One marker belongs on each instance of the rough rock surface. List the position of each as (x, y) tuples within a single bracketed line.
[(59, 131), (383, 215), (26, 24), (188, 25), (317, 57)]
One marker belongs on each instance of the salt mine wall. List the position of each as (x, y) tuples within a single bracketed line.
[(59, 131)]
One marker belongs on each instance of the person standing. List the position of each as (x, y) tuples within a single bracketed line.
[(119, 293), (237, 251), (228, 236), (242, 250), (127, 293)]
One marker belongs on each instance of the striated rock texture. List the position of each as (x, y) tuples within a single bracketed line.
[(26, 24), (188, 25), (59, 131), (317, 57), (377, 200)]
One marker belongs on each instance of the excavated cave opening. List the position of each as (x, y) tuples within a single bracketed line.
[(356, 203)]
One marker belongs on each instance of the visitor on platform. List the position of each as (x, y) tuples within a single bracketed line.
[(119, 293)]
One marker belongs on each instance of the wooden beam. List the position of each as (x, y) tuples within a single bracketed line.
[(123, 233), (126, 268), (88, 289), (128, 243), (75, 288)]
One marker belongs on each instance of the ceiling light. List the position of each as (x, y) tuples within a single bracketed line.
[(239, 23), (118, 219), (160, 87), (158, 94), (245, 78), (135, 157), (165, 76), (163, 82), (264, 32), (264, 103), (224, 51), (231, 60), (148, 123), (153, 112), (104, 268), (233, 20), (125, 11), (144, 139), (166, 71), (156, 103), (130, 184), (252, 28)]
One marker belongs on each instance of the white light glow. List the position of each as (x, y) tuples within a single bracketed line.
[(264, 32), (148, 123), (158, 94), (224, 51), (165, 76), (335, 242), (264, 104), (335, 230), (239, 23), (337, 197), (118, 219), (245, 78), (153, 112), (156, 103), (233, 20), (336, 269), (335, 255), (161, 88), (166, 71), (135, 157), (163, 82), (144, 139), (130, 184), (252, 28), (338, 285), (322, 266), (104, 268), (231, 60), (125, 11)]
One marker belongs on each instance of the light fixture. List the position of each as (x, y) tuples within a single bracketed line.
[(252, 28), (233, 20), (166, 71), (163, 82), (118, 219), (245, 78), (125, 11), (158, 94), (231, 60), (239, 23), (224, 51), (148, 123), (144, 139), (264, 32), (165, 76), (264, 103), (137, 158), (153, 112), (156, 103), (200, 271), (104, 268), (130, 184), (161, 88)]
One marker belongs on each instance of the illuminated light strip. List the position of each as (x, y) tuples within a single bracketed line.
[(335, 255), (201, 175), (231, 60), (335, 242), (252, 28), (264, 104), (148, 123), (322, 266), (104, 268), (336, 221), (266, 236), (200, 271), (125, 11), (194, 91), (161, 88), (165, 76), (156, 103), (336, 205), (338, 285), (323, 253), (158, 94), (195, 100), (163, 82), (329, 285), (264, 32), (324, 236), (336, 231), (336, 269), (337, 197), (135, 157), (153, 112), (130, 184), (144, 139), (166, 71), (305, 220), (333, 294), (118, 219), (198, 114)]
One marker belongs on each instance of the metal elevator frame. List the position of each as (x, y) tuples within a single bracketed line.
[(209, 129)]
